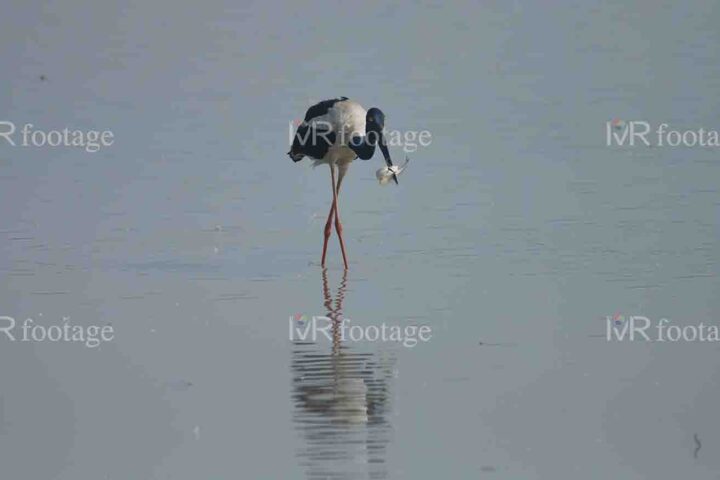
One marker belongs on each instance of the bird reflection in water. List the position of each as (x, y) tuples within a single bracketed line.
[(341, 402)]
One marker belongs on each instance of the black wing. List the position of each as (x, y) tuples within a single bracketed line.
[(311, 140), (320, 109)]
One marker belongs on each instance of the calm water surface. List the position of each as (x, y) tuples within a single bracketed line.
[(513, 235)]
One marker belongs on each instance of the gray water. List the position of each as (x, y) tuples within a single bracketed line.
[(513, 236)]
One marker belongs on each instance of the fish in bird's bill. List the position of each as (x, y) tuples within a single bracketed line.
[(385, 174)]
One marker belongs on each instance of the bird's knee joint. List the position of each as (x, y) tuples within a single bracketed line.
[(338, 227)]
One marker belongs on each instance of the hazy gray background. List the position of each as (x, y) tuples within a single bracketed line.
[(196, 238)]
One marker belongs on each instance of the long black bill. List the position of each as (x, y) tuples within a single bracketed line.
[(386, 154)]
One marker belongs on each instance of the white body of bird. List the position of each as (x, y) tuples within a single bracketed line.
[(347, 120)]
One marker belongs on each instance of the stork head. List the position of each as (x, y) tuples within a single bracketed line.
[(374, 120)]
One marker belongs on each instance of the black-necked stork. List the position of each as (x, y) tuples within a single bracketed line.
[(336, 132)]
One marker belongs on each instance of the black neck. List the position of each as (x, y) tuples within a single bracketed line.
[(364, 147)]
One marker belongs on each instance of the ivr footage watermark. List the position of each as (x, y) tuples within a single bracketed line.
[(639, 132), (303, 328), (409, 140), (30, 331), (29, 136), (638, 328)]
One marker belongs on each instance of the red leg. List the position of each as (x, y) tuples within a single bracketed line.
[(328, 224), (338, 225)]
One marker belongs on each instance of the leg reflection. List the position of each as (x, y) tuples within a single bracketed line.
[(341, 401)]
